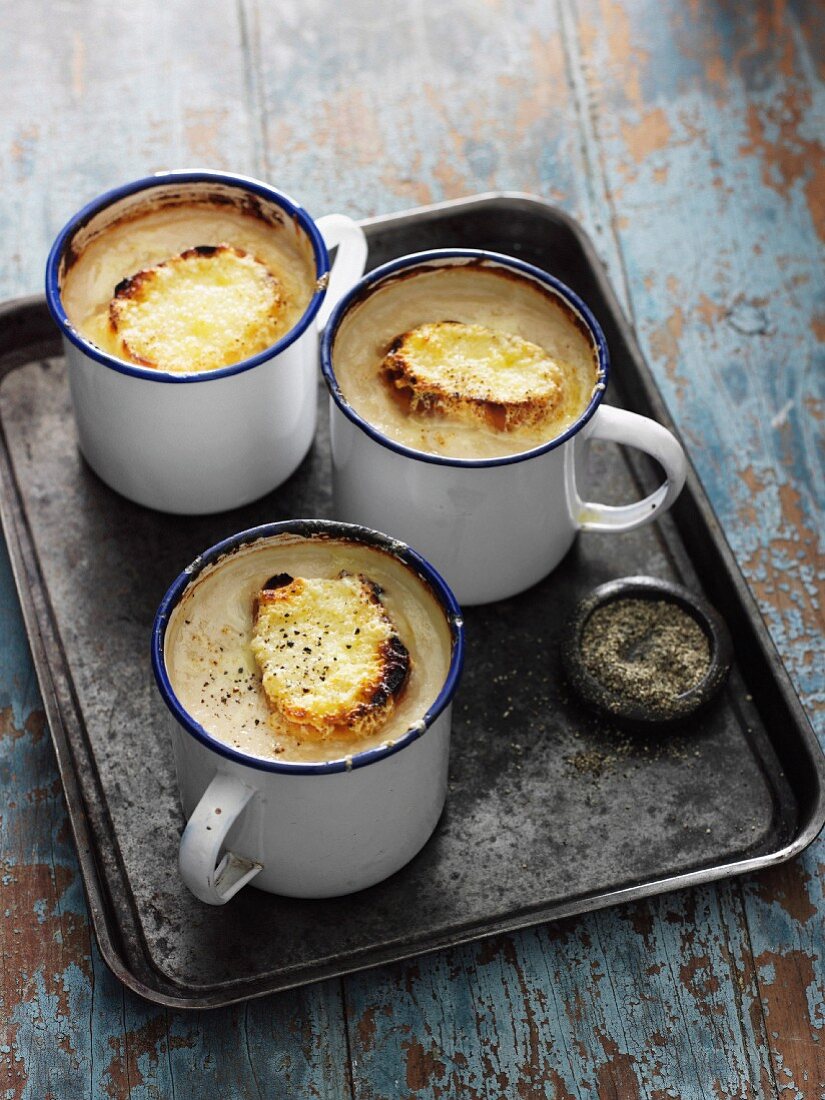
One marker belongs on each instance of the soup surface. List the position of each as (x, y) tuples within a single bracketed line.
[(366, 351), (213, 672)]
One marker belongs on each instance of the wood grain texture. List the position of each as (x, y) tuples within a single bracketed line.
[(725, 132), (121, 92), (627, 1003), (687, 138)]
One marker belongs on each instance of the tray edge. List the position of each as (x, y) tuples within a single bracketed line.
[(31, 311)]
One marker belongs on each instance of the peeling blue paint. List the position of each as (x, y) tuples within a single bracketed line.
[(715, 254)]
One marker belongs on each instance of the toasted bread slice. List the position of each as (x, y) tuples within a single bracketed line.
[(470, 372), (206, 308), (331, 660)]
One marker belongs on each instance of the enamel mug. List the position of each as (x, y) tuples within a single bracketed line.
[(308, 830), (495, 526), (201, 442)]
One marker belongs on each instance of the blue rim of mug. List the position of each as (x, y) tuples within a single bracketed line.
[(311, 528), (429, 260), (164, 179)]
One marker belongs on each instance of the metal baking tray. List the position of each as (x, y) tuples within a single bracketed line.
[(551, 811)]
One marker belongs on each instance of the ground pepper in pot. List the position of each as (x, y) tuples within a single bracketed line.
[(650, 652)]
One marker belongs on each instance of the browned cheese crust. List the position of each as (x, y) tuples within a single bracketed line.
[(425, 382), (331, 659)]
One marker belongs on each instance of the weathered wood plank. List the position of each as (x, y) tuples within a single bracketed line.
[(684, 137), (786, 923), (47, 972), (655, 1000), (714, 161), (405, 104), (95, 95)]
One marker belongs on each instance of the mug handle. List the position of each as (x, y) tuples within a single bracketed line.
[(221, 804), (622, 426), (341, 231)]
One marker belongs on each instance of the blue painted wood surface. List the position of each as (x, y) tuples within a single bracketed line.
[(687, 137)]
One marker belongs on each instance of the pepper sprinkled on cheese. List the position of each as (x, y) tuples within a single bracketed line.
[(329, 654)]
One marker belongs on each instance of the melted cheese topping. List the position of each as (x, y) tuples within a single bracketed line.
[(326, 648), (475, 372), (201, 310), (153, 237), (475, 296)]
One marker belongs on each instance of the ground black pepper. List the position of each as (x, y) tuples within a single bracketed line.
[(648, 651)]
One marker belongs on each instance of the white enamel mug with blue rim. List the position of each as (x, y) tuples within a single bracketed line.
[(208, 441), (307, 830), (496, 526)]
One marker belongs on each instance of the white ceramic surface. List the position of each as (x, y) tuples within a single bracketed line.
[(302, 829), (306, 836), (494, 527), (205, 442)]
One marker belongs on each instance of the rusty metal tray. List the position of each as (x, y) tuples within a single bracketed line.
[(551, 811)]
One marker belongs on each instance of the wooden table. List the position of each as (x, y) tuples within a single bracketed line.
[(687, 138)]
